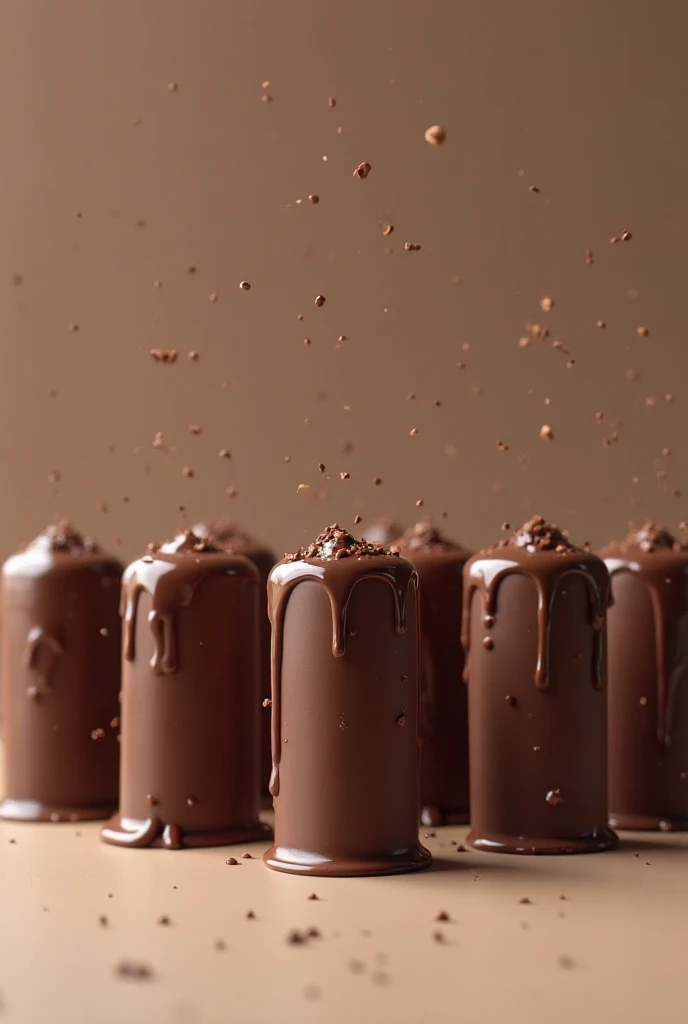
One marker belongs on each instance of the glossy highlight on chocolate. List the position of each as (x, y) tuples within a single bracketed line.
[(190, 699), (345, 710)]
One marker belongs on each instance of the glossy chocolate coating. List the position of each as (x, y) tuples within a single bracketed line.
[(61, 673), (444, 791), (232, 539), (189, 774), (648, 687), (534, 637), (345, 717)]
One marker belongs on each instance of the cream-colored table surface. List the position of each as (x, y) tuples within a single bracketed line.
[(622, 931)]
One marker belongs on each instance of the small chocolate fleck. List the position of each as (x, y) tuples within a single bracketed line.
[(546, 303), (134, 970), (554, 797), (400, 720), (546, 433), (250, 915), (566, 961), (232, 861), (412, 246), (103, 920), (525, 900), (313, 896), (363, 170), (164, 920), (643, 331), (319, 300), (435, 135), (313, 198), (220, 944), (442, 915)]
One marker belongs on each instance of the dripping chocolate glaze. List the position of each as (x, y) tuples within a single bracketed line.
[(337, 562), (661, 562), (170, 574), (545, 555)]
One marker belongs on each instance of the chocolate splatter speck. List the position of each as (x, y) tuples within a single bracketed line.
[(245, 286), (134, 970), (643, 331), (231, 861), (546, 433), (546, 303), (442, 915), (164, 921), (525, 900), (313, 896), (435, 135), (554, 797), (319, 300), (363, 170), (164, 355), (566, 961)]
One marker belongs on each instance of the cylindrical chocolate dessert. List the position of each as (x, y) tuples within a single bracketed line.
[(439, 563), (232, 539), (534, 636), (345, 739), (61, 674), (648, 681), (382, 531), (189, 774)]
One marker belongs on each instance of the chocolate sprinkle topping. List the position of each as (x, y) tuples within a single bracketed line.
[(649, 538), (335, 543)]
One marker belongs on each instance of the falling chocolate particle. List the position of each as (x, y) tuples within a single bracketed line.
[(546, 433), (220, 944), (420, 503), (643, 331), (488, 643), (438, 937), (321, 467), (134, 970), (379, 978), (195, 429), (413, 431), (356, 966), (103, 631), (554, 797), (387, 229), (502, 447), (377, 480), (191, 801), (313, 198), (342, 338), (231, 861), (435, 135), (266, 98), (614, 240), (267, 703), (187, 471), (344, 476), (400, 720), (191, 268), (192, 355), (319, 300), (626, 236), (312, 993), (313, 896), (313, 933), (505, 526), (363, 170), (442, 916), (151, 800), (411, 246), (73, 328), (245, 286), (533, 188), (589, 257), (213, 297), (97, 734), (562, 897), (331, 101), (164, 355), (164, 920), (643, 702), (250, 915), (566, 961), (295, 938), (525, 900), (546, 303), (224, 453), (103, 921)]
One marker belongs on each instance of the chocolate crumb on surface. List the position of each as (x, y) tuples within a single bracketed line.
[(134, 970), (539, 535), (648, 539)]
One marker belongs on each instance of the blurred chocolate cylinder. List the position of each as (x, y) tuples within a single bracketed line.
[(61, 675), (189, 773), (232, 539), (382, 531), (345, 710), (439, 563), (648, 681), (534, 618)]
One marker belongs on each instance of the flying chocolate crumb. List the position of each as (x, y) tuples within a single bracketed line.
[(525, 900), (546, 303), (412, 246), (319, 300), (164, 355), (546, 433), (245, 286), (554, 797), (363, 170), (435, 135), (134, 970), (442, 915), (643, 331), (164, 920), (313, 896)]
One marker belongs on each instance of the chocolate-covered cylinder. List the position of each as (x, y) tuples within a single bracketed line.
[(189, 773), (648, 681), (60, 679), (439, 562), (232, 539), (345, 710), (534, 618)]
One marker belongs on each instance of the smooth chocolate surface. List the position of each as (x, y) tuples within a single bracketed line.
[(190, 699), (534, 618), (60, 671), (231, 538), (345, 741), (439, 562), (648, 681)]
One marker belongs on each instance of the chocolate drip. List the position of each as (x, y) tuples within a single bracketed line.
[(338, 577), (171, 584), (547, 572), (668, 609)]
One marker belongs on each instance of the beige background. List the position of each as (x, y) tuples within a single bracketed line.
[(585, 100)]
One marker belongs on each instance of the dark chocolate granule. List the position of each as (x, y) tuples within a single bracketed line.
[(442, 915), (566, 961), (539, 535), (134, 970), (250, 915), (103, 920), (295, 938), (363, 170), (525, 900), (220, 944)]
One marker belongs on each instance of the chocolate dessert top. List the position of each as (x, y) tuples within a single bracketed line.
[(649, 539), (228, 536), (537, 536), (335, 543), (63, 538), (424, 538), (186, 542)]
